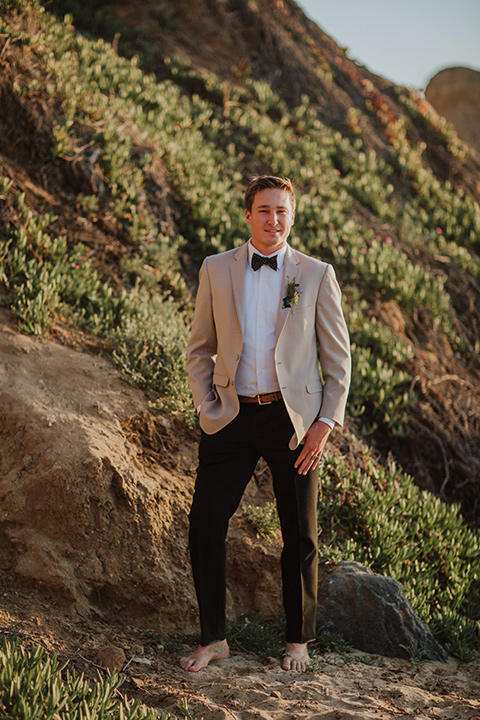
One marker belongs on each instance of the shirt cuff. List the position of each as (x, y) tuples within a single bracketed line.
[(327, 421)]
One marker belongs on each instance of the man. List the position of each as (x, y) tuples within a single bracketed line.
[(265, 315)]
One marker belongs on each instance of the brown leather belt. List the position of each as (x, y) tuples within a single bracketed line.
[(263, 399)]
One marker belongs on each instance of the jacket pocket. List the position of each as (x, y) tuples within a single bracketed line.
[(220, 380), (314, 386)]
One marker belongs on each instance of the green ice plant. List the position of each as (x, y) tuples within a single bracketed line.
[(420, 110), (264, 519), (379, 392), (149, 344), (381, 340), (434, 242), (34, 686), (437, 203), (189, 123)]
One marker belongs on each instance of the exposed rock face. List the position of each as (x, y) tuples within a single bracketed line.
[(372, 614), (455, 94)]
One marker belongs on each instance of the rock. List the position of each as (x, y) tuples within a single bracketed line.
[(372, 614), (111, 657), (455, 94)]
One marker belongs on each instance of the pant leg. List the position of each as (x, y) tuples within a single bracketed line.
[(298, 518), (227, 460), (297, 497)]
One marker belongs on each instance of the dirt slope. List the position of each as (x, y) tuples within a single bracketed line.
[(95, 492)]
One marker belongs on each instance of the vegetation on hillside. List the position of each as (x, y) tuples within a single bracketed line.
[(33, 686), (132, 181)]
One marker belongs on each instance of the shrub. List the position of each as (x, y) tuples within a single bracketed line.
[(150, 344), (264, 519)]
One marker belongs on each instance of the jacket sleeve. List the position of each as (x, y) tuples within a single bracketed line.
[(202, 346), (334, 348)]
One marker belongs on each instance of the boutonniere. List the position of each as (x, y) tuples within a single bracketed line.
[(292, 296)]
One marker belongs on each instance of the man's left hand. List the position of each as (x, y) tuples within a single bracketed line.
[(315, 441)]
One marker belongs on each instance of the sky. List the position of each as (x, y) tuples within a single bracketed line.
[(406, 41)]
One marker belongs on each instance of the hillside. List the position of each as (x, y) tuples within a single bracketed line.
[(394, 151), (395, 182), (126, 137)]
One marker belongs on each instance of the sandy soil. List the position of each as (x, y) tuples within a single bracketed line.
[(339, 686)]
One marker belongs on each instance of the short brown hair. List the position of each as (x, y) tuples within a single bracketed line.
[(266, 182)]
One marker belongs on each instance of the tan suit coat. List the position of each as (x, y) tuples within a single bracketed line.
[(309, 333)]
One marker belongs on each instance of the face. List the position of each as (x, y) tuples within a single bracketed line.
[(270, 218)]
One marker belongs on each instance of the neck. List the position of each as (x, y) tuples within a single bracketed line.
[(267, 250)]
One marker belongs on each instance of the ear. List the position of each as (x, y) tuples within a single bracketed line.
[(248, 216), (293, 216)]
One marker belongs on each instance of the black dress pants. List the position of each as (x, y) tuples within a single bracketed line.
[(227, 460)]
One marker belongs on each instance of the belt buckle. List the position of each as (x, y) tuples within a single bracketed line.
[(268, 402)]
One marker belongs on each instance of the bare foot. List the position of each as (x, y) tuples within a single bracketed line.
[(296, 658), (200, 657)]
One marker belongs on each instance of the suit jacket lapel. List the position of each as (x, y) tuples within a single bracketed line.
[(292, 270), (237, 274)]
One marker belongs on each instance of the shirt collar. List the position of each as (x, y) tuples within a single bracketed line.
[(279, 253)]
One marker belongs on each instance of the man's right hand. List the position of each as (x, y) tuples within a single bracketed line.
[(312, 451)]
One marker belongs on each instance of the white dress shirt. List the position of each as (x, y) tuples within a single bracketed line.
[(264, 290)]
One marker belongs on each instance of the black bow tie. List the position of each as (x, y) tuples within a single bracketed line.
[(259, 260)]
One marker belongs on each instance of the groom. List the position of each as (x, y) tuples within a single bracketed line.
[(269, 368)]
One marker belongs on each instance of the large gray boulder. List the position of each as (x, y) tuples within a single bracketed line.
[(372, 614)]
